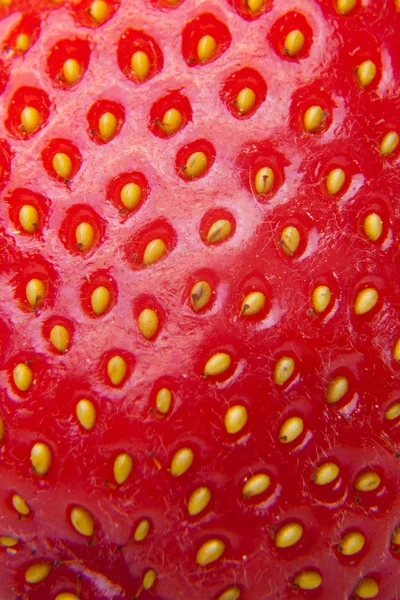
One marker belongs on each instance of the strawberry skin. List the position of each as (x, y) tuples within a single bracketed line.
[(199, 301)]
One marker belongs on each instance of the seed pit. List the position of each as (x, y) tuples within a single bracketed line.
[(217, 226), (61, 160), (194, 160), (94, 13), (255, 157), (170, 114), (139, 56), (243, 93), (82, 230), (251, 10), (36, 268), (204, 40), (29, 27), (93, 297), (55, 321), (22, 124), (149, 316), (285, 42), (67, 62), (151, 245), (127, 192), (105, 120), (22, 197)]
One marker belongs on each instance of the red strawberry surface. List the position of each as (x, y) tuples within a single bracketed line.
[(200, 300)]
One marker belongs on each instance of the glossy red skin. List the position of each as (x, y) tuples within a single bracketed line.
[(355, 435)]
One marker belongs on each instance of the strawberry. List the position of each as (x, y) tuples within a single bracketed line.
[(199, 334)]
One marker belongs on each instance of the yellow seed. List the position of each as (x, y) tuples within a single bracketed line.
[(200, 295), (5, 2), (255, 6), (100, 300), (288, 535), (245, 100), (108, 125), (123, 466), (149, 579), (351, 543), (66, 596), (284, 369), (367, 481), (290, 240), (117, 369), (86, 414), (140, 64), (395, 539), (313, 118), (71, 71), (37, 572), (389, 143), (59, 337), (23, 42), (172, 121), (345, 6), (20, 505), (337, 388), (98, 11), (321, 297), (217, 364), (290, 430), (131, 194), (393, 412), (142, 531), (181, 461), (253, 303), (30, 119), (264, 180), (373, 226), (308, 580), (7, 541), (256, 485), (198, 500), (163, 400), (23, 377), (62, 165), (84, 235), (294, 42), (219, 231), (335, 181), (366, 73), (396, 350), (196, 164), (41, 458), (29, 218), (235, 418), (325, 474), (367, 588), (82, 521), (365, 301), (206, 48), (233, 593), (210, 552), (148, 323), (154, 252), (35, 292)]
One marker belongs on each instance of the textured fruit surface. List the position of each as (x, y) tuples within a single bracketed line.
[(199, 300)]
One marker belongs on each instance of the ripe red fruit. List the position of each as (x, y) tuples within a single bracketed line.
[(199, 356)]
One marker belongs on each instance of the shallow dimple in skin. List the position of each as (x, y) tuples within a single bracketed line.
[(257, 228)]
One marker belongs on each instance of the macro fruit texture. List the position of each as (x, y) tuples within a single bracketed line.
[(199, 300)]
